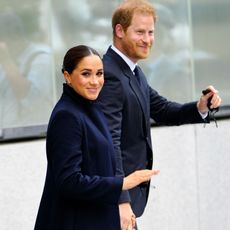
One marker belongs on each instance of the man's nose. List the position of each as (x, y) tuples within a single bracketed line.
[(147, 38)]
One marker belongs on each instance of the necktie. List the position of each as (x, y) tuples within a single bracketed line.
[(137, 74)]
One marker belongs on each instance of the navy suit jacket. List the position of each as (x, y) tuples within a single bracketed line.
[(81, 192), (128, 107)]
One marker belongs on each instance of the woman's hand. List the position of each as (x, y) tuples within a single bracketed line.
[(138, 177)]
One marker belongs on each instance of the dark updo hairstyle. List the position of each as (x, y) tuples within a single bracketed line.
[(74, 56)]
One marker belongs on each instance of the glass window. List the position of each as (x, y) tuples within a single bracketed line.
[(27, 91), (80, 22), (191, 49), (190, 52), (169, 69), (211, 35)]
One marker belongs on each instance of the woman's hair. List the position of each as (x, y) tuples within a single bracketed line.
[(124, 13), (74, 56)]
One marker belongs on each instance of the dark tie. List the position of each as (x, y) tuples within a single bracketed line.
[(137, 73)]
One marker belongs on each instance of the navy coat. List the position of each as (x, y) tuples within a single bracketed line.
[(80, 192), (128, 106)]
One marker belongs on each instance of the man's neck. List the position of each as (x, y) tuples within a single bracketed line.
[(128, 61)]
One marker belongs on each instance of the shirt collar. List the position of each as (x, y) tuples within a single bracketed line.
[(125, 58)]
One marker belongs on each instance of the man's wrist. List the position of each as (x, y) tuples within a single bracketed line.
[(203, 115)]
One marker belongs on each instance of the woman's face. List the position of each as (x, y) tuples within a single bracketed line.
[(87, 78)]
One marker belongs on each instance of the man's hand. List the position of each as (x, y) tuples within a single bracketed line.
[(202, 104), (127, 217)]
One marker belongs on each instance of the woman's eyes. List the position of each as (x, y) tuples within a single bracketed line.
[(100, 73), (88, 74)]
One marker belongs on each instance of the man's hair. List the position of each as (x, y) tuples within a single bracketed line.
[(124, 13)]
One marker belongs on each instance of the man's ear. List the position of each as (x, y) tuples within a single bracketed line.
[(119, 31)]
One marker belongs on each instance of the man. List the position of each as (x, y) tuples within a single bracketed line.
[(129, 102)]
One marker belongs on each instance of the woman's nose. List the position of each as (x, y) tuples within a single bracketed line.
[(94, 80)]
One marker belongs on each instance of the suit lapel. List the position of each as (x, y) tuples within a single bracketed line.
[(134, 84), (138, 90)]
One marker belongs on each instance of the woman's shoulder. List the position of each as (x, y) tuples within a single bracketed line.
[(64, 109)]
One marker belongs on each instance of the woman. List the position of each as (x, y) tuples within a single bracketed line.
[(81, 190)]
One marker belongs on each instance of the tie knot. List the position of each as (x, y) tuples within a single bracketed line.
[(137, 74), (136, 71)]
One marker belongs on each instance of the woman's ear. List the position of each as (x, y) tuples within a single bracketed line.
[(67, 77)]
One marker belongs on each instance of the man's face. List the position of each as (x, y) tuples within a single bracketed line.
[(138, 39)]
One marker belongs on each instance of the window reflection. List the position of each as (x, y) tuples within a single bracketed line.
[(35, 34), (170, 63), (211, 32), (26, 65)]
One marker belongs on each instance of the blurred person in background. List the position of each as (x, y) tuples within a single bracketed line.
[(26, 84)]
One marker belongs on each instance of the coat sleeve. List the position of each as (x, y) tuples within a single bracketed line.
[(171, 113), (64, 153)]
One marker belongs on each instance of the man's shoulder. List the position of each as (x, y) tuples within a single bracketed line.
[(109, 57), (113, 64)]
